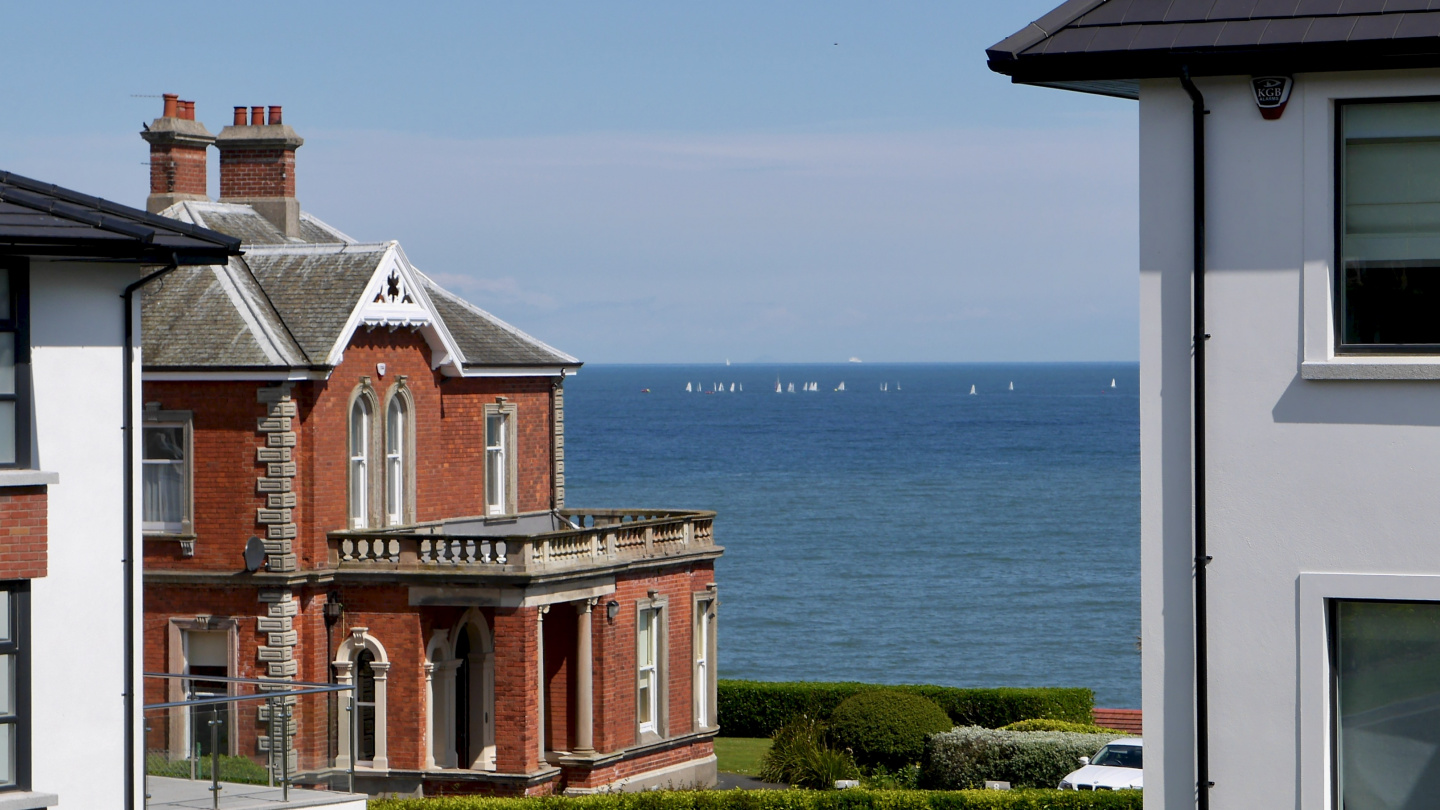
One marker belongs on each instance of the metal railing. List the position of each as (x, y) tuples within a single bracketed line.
[(583, 538), (292, 730)]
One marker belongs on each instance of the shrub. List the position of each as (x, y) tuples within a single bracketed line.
[(232, 768), (886, 726), (1043, 724), (791, 800), (758, 708), (966, 757), (799, 756)]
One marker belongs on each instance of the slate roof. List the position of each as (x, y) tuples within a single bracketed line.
[(485, 339), (43, 219), (287, 302), (1106, 46)]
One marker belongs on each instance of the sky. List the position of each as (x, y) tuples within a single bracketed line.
[(646, 182)]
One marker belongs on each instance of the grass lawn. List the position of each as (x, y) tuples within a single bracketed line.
[(740, 754)]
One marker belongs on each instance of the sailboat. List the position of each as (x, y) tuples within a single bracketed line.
[(841, 386), (742, 388), (1112, 382), (688, 389), (777, 385), (884, 386), (1012, 385), (791, 388), (972, 390), (897, 386), (732, 388), (727, 361)]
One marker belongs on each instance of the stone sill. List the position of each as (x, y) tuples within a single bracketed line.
[(27, 800), (27, 478), (1372, 368)]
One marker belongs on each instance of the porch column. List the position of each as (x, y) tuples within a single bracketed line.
[(540, 671), (584, 681), (382, 671), (430, 735), (343, 721)]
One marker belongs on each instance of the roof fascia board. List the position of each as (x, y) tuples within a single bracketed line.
[(453, 356), (518, 371)]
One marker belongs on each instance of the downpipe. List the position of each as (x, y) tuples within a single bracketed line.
[(127, 432), (1202, 558)]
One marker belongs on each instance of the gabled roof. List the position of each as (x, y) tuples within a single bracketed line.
[(43, 219), (292, 305), (1106, 46)]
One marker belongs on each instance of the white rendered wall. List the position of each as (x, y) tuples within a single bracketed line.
[(1305, 475), (77, 612)]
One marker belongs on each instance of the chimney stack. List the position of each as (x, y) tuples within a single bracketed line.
[(177, 155), (257, 166)]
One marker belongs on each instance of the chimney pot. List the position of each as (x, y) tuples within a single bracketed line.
[(274, 114), (257, 116), (187, 110), (239, 116), (169, 105)]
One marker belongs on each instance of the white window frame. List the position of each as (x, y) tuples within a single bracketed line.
[(656, 727), (399, 475), (358, 473), (1317, 721), (155, 418), (704, 682), (502, 456), (1315, 95)]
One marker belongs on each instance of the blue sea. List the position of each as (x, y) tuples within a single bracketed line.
[(919, 534)]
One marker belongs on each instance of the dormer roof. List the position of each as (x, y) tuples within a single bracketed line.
[(289, 307), (1107, 46)]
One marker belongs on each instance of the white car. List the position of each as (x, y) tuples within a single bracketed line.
[(1116, 767)]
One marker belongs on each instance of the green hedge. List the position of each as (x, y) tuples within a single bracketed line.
[(966, 757), (792, 800), (757, 708)]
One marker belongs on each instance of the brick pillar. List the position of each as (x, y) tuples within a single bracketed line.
[(517, 690)]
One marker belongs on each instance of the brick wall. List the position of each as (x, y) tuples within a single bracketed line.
[(257, 172), (177, 169), (23, 532), (517, 729)]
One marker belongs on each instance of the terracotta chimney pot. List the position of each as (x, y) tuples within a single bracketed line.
[(274, 117), (169, 105), (239, 116), (257, 116)]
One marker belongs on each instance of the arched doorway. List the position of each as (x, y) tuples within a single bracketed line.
[(474, 705)]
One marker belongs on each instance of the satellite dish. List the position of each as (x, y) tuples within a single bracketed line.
[(254, 554)]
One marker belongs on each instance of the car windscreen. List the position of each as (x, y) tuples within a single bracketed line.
[(1119, 756)]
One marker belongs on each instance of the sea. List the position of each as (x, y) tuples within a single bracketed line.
[(954, 524)]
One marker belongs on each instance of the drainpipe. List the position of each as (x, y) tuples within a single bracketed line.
[(1202, 559), (127, 431)]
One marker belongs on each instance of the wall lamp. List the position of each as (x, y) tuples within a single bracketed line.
[(612, 609)]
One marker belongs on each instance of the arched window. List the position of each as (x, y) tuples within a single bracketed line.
[(360, 463), (395, 440), (365, 705)]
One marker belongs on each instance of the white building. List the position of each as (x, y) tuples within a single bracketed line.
[(69, 578), (1302, 668)]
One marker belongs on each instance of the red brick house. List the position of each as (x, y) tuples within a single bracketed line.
[(390, 459)]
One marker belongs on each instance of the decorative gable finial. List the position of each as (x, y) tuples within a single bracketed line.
[(394, 291)]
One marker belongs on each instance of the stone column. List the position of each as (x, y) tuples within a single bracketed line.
[(584, 681), (447, 686), (540, 658), (430, 736), (381, 670), (344, 721)]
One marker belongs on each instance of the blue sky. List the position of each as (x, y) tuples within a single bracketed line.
[(647, 182)]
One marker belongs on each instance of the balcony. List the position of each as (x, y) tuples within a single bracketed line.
[(524, 546)]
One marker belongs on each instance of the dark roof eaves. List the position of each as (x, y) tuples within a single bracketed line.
[(1288, 58)]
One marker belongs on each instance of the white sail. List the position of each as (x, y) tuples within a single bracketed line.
[(742, 387), (1112, 382), (841, 386), (1012, 385), (972, 390), (732, 388), (688, 389), (777, 385), (791, 388)]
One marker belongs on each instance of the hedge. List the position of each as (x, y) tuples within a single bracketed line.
[(966, 757), (757, 708), (792, 800)]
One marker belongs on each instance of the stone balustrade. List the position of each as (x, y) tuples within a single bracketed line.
[(567, 539)]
